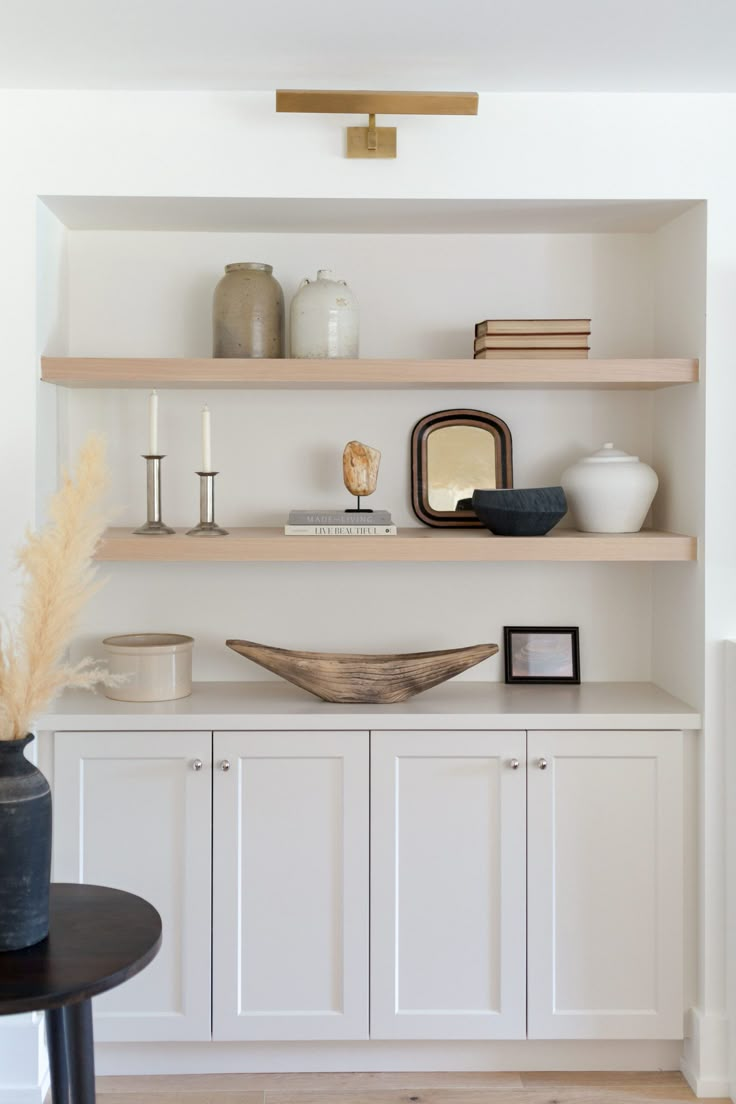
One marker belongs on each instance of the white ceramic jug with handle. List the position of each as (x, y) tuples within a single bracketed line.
[(609, 491), (324, 318)]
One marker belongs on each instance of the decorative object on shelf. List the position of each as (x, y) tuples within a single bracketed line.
[(453, 453), (370, 679), (360, 465), (150, 667), (59, 578), (524, 512), (541, 655), (324, 319), (153, 526), (207, 526), (373, 141), (248, 312), (532, 339), (609, 491)]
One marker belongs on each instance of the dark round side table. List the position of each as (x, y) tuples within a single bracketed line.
[(98, 938)]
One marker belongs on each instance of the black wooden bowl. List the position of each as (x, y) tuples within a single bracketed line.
[(526, 512)]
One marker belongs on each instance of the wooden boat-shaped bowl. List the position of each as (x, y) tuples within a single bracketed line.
[(374, 679)]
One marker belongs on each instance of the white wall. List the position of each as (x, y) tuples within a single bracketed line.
[(561, 146)]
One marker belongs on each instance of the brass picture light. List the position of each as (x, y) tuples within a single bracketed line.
[(374, 141)]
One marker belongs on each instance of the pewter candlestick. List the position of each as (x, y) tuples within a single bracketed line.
[(154, 526), (207, 525)]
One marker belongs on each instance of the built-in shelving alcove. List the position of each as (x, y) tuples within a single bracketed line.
[(125, 288)]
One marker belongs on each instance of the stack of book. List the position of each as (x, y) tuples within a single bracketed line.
[(532, 339), (339, 523)]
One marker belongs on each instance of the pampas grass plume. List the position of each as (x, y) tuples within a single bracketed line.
[(59, 579)]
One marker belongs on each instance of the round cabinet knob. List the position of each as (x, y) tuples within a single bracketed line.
[(197, 765), (225, 765), (542, 764), (514, 764)]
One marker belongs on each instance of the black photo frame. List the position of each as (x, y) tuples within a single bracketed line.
[(542, 661)]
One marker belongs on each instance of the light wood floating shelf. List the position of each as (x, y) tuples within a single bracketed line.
[(208, 373), (409, 545)]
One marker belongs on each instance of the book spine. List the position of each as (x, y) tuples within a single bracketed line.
[(378, 518), (340, 530)]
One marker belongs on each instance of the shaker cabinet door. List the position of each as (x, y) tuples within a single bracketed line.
[(132, 812), (448, 885), (290, 940), (605, 885)]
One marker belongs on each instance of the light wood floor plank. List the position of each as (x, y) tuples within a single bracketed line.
[(399, 1088), (304, 1082)]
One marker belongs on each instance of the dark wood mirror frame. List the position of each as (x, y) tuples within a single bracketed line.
[(501, 434)]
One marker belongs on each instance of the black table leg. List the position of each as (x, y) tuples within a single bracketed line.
[(80, 1050), (56, 1043)]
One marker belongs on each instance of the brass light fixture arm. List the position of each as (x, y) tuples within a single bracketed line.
[(373, 141)]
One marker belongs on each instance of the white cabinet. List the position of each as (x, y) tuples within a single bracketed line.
[(605, 885), (290, 917), (508, 899), (448, 913), (131, 811)]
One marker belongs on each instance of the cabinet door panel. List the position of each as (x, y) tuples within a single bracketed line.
[(130, 812), (291, 886), (605, 885), (447, 885)]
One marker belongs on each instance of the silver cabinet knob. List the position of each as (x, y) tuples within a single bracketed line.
[(514, 764), (225, 765), (542, 764), (197, 765)]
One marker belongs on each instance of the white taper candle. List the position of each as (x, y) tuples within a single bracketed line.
[(206, 441), (153, 424)]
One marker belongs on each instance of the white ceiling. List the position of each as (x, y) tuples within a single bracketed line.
[(478, 45)]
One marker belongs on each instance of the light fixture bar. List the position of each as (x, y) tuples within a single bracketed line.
[(374, 103)]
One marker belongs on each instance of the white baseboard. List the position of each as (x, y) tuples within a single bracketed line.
[(705, 1054), (24, 1076), (209, 1057)]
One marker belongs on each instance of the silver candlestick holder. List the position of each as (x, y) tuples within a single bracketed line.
[(207, 527), (154, 526)]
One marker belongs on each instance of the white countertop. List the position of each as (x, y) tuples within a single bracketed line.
[(459, 704)]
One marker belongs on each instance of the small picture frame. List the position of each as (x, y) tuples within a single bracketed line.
[(541, 654)]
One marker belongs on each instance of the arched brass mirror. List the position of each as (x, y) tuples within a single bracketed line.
[(453, 453)]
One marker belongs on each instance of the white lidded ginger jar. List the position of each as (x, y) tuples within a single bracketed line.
[(324, 318), (609, 491)]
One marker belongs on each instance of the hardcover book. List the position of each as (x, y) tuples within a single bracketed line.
[(340, 530), (532, 326), (532, 341), (532, 354), (339, 517)]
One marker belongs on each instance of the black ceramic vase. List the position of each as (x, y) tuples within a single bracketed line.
[(25, 848)]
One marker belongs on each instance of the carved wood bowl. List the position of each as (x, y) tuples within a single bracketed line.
[(369, 679)]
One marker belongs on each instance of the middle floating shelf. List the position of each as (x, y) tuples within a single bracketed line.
[(409, 545)]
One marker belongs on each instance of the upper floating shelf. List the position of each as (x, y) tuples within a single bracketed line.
[(646, 373)]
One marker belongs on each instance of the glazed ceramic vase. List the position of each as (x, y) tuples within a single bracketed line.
[(609, 491), (25, 848), (248, 312), (324, 318)]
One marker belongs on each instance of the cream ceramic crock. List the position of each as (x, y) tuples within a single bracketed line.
[(158, 666), (609, 491), (324, 318)]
